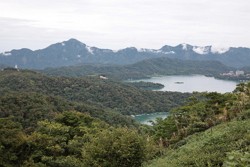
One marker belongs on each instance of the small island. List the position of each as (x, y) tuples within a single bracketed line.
[(179, 82)]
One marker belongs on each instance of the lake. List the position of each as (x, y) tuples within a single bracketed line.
[(190, 83), (146, 118), (185, 83)]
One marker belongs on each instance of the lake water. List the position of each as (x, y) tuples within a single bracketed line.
[(190, 83), (184, 83), (146, 118)]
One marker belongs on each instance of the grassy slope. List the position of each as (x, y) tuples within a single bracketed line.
[(208, 148)]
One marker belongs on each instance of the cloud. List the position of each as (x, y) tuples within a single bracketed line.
[(117, 24)]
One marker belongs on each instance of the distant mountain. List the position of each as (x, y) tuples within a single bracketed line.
[(232, 56), (71, 52), (246, 69), (144, 69), (2, 66), (74, 52)]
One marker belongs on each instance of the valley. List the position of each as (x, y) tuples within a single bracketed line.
[(148, 112), (118, 83)]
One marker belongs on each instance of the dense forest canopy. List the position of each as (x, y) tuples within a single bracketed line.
[(211, 130), (63, 121), (120, 97)]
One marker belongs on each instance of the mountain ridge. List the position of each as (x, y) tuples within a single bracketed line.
[(143, 69), (73, 52)]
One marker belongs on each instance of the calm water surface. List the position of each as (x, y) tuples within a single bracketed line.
[(184, 83), (190, 83)]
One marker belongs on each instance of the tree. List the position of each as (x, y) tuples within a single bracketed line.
[(12, 143), (115, 147)]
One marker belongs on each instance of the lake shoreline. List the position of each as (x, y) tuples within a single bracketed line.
[(191, 83)]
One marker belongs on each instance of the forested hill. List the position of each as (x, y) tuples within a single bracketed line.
[(211, 130), (60, 121), (63, 121), (120, 97), (145, 68)]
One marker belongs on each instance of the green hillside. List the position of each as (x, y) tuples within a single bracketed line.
[(143, 69), (217, 146), (71, 122), (212, 130), (120, 97), (28, 108), (41, 126)]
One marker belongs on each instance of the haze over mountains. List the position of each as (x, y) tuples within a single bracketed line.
[(73, 52), (143, 69)]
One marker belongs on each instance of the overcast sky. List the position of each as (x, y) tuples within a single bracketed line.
[(117, 24)]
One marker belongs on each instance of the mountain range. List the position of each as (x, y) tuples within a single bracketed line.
[(143, 69), (73, 52)]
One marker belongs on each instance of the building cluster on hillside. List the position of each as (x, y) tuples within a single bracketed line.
[(232, 73), (237, 73), (103, 77)]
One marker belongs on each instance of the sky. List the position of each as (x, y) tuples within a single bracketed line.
[(117, 24)]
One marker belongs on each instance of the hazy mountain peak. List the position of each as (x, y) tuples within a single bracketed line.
[(167, 48), (90, 49), (131, 48), (73, 52), (184, 46), (147, 50), (219, 50), (201, 49), (7, 53), (72, 40), (128, 49)]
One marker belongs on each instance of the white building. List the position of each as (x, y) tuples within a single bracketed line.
[(102, 77), (238, 72)]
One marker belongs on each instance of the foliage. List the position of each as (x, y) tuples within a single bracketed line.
[(201, 113), (116, 147), (72, 139), (147, 85), (237, 159), (209, 148), (205, 130), (60, 121), (93, 91), (28, 108), (12, 142), (64, 138), (143, 69)]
